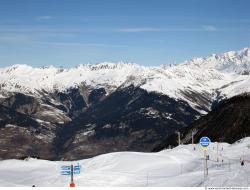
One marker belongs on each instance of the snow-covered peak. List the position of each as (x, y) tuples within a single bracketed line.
[(227, 72), (15, 68), (18, 69), (232, 61), (106, 65), (27, 79)]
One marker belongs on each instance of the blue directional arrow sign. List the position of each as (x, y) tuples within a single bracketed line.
[(77, 172), (77, 169), (65, 167), (66, 170), (205, 141)]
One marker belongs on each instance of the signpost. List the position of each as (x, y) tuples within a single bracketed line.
[(71, 170), (204, 142)]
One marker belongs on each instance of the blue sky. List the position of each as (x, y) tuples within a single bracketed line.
[(148, 32)]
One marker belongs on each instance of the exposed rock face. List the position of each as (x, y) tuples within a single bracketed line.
[(22, 136), (229, 121), (129, 119), (85, 122)]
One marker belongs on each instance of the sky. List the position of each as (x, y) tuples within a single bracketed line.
[(148, 32)]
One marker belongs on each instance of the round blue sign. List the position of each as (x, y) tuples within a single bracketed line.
[(204, 141)]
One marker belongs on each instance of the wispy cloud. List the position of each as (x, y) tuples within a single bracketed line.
[(41, 18), (67, 32), (140, 29), (76, 44), (104, 18), (209, 28), (157, 18), (13, 39), (22, 39)]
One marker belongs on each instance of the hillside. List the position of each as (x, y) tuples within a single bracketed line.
[(228, 122)]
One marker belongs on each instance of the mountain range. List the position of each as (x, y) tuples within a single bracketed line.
[(65, 114)]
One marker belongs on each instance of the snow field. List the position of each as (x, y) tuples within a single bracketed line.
[(181, 166)]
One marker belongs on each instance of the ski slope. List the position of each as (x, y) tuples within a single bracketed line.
[(181, 166)]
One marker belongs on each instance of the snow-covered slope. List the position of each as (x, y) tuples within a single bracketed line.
[(232, 61), (24, 78), (181, 166), (224, 74)]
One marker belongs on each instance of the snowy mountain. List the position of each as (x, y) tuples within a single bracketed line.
[(201, 75), (182, 166), (232, 61), (105, 107)]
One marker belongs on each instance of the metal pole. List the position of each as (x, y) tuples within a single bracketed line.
[(179, 138), (72, 173), (72, 184), (217, 152), (192, 137), (147, 179), (181, 168), (204, 165)]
